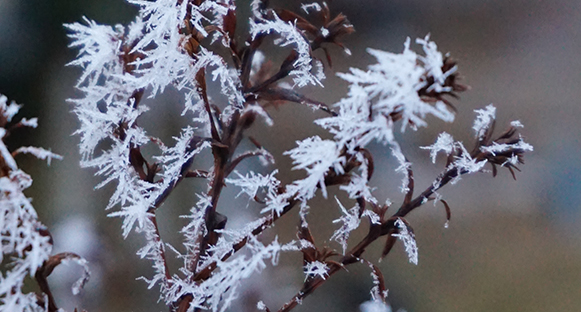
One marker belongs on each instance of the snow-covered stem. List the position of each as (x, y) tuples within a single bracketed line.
[(26, 243), (454, 171)]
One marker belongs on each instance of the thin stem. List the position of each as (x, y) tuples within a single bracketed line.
[(205, 273), (374, 233), (282, 73), (44, 287), (310, 286), (201, 79), (240, 158), (157, 240), (222, 152), (194, 143)]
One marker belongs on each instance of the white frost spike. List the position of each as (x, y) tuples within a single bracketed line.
[(484, 120), (433, 62), (444, 142), (253, 182), (276, 203), (32, 122), (227, 278), (24, 248), (513, 160), (315, 156), (408, 239), (404, 166), (358, 184), (316, 268), (10, 110), (388, 87), (289, 35), (373, 217), (255, 8), (154, 251), (463, 161), (39, 153), (80, 283), (311, 7), (466, 163), (5, 153), (517, 124), (99, 48), (350, 221), (496, 148)]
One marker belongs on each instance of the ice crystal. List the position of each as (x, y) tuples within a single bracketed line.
[(516, 124), (39, 153), (497, 148), (316, 156), (289, 35), (483, 120), (408, 239), (358, 184), (171, 44), (349, 221), (389, 87), (253, 182), (26, 244), (311, 7), (217, 292), (445, 142), (404, 167), (316, 268)]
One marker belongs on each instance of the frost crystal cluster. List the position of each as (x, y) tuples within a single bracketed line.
[(195, 45), (26, 242)]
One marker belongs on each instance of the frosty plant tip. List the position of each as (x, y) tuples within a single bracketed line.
[(26, 242), (193, 45)]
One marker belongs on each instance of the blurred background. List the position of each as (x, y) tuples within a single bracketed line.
[(511, 245)]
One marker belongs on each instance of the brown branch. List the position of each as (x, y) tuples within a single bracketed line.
[(222, 150), (41, 279), (388, 226), (201, 80), (157, 240), (197, 174), (205, 273), (311, 285), (284, 70), (232, 165), (330, 179), (374, 233), (194, 143), (247, 57), (45, 270)]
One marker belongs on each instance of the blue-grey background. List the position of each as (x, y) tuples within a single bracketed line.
[(511, 245)]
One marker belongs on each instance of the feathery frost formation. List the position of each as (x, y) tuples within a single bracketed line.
[(26, 242), (181, 44)]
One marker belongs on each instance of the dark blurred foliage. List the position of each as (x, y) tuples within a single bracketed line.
[(34, 40)]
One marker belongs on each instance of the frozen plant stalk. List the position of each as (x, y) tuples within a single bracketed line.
[(26, 242), (182, 44)]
